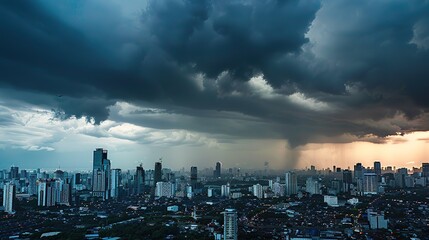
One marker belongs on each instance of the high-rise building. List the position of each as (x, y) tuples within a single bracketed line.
[(258, 191), (194, 177), (158, 172), (164, 189), (358, 171), (23, 174), (46, 195), (58, 174), (98, 157), (115, 182), (230, 229), (139, 180), (77, 178), (312, 186), (291, 186), (377, 169), (400, 177), (225, 190), (14, 172), (63, 191), (278, 189), (101, 174), (9, 197), (370, 183), (347, 180), (218, 170), (32, 184)]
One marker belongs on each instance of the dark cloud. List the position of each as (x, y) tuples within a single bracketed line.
[(329, 68)]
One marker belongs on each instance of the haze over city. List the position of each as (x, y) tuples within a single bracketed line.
[(294, 83)]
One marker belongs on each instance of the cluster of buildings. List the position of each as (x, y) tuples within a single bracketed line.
[(103, 183)]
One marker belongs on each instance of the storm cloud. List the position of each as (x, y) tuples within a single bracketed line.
[(303, 71)]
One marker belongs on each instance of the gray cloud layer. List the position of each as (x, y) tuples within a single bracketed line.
[(305, 71)]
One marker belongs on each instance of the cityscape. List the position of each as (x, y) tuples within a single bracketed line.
[(362, 202), (214, 119)]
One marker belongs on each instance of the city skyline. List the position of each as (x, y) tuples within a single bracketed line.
[(292, 89), (206, 119), (245, 201)]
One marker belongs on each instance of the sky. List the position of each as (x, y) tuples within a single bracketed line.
[(294, 83)]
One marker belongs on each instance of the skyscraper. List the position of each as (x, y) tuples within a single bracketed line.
[(291, 186), (114, 183), (194, 177), (101, 174), (258, 191), (32, 184), (230, 229), (8, 197), (225, 190), (312, 186), (139, 180), (377, 168), (358, 171), (347, 180), (46, 195), (164, 189), (14, 172), (158, 172), (218, 170), (370, 183), (425, 170)]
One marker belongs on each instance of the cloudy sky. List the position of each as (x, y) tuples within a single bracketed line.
[(295, 83)]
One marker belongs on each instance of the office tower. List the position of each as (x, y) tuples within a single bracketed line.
[(139, 180), (225, 190), (258, 191), (149, 177), (158, 172), (218, 170), (312, 186), (230, 229), (115, 182), (335, 187), (98, 157), (77, 178), (46, 195), (291, 186), (101, 174), (194, 177), (58, 174), (347, 180), (377, 169), (164, 189), (9, 197), (14, 172), (425, 169), (63, 190), (409, 181), (23, 174), (278, 189), (358, 171), (370, 183), (400, 177), (32, 184)]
